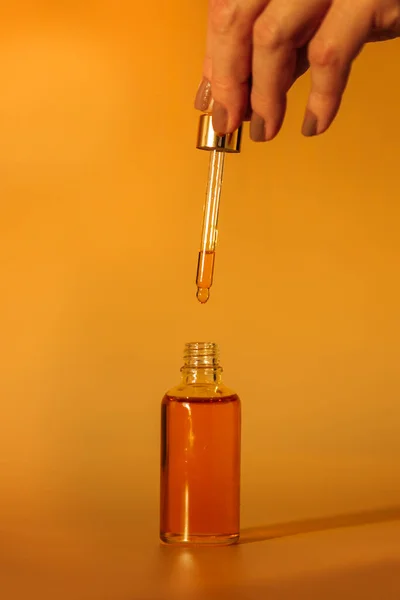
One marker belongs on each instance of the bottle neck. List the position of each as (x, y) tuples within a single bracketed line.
[(201, 364)]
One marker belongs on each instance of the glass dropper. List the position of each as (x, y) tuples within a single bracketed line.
[(209, 236), (218, 146)]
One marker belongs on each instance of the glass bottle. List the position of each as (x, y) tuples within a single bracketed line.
[(200, 454)]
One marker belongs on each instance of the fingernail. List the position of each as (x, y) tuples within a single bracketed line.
[(257, 128), (203, 96), (220, 118), (310, 124)]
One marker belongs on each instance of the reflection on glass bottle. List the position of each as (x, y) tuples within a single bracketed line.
[(200, 454)]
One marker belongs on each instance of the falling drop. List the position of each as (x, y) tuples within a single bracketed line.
[(203, 295)]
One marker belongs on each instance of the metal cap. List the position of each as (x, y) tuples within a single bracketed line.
[(207, 139)]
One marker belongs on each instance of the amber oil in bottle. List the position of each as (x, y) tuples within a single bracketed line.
[(200, 454)]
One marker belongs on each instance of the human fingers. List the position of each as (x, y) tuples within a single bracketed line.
[(204, 100), (281, 29), (331, 52), (231, 32)]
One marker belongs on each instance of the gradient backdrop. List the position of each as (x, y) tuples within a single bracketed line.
[(101, 193)]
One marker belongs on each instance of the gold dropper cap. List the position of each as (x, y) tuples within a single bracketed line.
[(207, 139)]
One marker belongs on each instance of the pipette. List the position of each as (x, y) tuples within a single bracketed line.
[(217, 145)]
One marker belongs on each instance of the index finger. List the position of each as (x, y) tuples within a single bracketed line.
[(231, 26)]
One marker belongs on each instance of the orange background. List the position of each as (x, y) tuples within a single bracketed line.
[(101, 193)]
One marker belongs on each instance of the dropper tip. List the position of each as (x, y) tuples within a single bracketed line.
[(203, 295)]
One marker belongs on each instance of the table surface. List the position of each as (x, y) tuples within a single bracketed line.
[(353, 556)]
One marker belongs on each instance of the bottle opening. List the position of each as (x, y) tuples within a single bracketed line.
[(201, 354)]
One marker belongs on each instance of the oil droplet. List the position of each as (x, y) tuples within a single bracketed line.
[(203, 295)]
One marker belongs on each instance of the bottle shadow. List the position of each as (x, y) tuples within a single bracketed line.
[(278, 530)]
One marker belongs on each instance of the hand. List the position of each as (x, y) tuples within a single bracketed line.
[(256, 49)]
